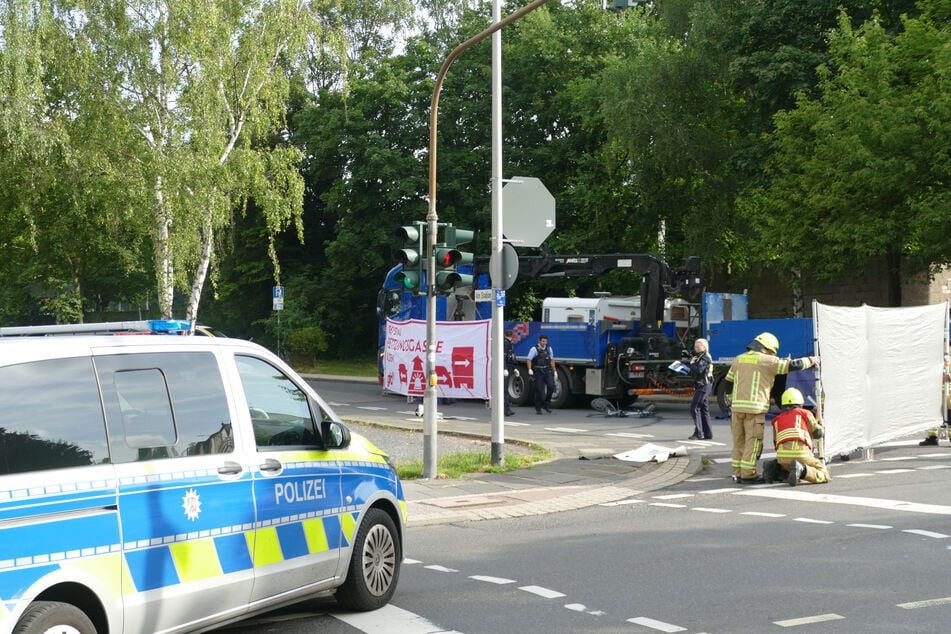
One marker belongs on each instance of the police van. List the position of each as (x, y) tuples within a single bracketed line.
[(174, 484)]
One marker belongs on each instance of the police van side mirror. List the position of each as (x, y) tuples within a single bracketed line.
[(335, 435)]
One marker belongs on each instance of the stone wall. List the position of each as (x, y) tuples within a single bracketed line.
[(771, 297)]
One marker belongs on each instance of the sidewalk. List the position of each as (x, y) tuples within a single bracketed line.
[(582, 473), (562, 484)]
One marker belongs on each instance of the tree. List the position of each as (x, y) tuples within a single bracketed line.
[(862, 169), (179, 104)]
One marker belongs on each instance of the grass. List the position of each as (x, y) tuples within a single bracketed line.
[(455, 465), (343, 367)]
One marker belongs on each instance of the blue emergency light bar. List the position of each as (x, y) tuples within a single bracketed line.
[(141, 327)]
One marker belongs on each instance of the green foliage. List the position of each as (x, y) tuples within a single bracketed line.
[(861, 170), (455, 465)]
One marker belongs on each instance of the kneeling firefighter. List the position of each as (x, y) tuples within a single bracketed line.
[(793, 432)]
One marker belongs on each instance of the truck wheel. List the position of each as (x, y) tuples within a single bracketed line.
[(54, 616), (374, 564), (562, 395), (520, 387), (724, 396)]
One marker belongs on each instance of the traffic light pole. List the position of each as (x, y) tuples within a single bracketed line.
[(495, 272), (432, 220)]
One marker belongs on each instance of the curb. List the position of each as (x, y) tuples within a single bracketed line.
[(545, 500)]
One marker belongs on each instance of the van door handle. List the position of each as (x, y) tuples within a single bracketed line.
[(230, 468), (271, 466)]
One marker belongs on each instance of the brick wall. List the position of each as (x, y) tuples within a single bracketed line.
[(772, 297)]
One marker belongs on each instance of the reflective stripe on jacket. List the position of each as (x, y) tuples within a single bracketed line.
[(752, 374), (793, 426)]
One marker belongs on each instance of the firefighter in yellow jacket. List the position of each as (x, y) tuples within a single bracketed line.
[(793, 432), (752, 374)]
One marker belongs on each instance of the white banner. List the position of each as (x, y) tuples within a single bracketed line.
[(462, 358), (881, 372)]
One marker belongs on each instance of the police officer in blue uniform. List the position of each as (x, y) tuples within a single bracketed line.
[(508, 354), (541, 367)]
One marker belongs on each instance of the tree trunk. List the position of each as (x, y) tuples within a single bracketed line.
[(201, 271), (165, 270)]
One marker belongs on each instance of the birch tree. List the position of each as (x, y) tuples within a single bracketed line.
[(184, 102)]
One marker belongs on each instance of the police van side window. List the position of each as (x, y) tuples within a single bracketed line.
[(280, 412), (50, 416), (164, 405)]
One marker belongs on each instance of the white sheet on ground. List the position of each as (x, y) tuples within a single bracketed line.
[(651, 453)]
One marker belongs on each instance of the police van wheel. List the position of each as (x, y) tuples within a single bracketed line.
[(374, 564), (53, 616)]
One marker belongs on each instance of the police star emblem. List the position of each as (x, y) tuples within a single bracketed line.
[(191, 504)]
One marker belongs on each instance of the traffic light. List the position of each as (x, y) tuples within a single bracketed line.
[(411, 257), (449, 258)]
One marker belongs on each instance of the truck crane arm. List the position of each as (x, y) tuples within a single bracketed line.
[(658, 280)]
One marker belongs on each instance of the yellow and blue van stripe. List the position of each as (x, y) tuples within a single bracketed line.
[(161, 546)]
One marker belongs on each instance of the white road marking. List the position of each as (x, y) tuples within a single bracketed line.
[(440, 569), (576, 607), (806, 620), (762, 514), (372, 409), (704, 509), (846, 476), (391, 620), (510, 423), (668, 505), (545, 593), (673, 496), (654, 624), (724, 490), (935, 466), (622, 503), (880, 527), (808, 520), (923, 533), (804, 496), (496, 580), (899, 458), (927, 603), (891, 471), (623, 434), (567, 430), (408, 562)]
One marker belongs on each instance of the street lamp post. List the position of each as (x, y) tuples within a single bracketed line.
[(432, 220)]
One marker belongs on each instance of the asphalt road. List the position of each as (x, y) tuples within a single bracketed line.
[(866, 553)]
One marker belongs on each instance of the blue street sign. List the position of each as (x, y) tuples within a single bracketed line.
[(500, 298), (278, 292)]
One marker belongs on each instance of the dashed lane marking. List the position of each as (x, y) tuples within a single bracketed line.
[(704, 509), (501, 581), (808, 620), (927, 603), (440, 568), (391, 620), (809, 520), (762, 514), (923, 533), (880, 527), (624, 434), (545, 593), (673, 496), (654, 624), (567, 430)]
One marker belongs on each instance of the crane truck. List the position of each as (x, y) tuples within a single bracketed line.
[(615, 347)]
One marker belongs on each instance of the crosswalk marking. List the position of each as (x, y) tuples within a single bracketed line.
[(827, 498)]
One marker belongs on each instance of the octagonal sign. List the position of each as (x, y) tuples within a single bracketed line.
[(528, 212)]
